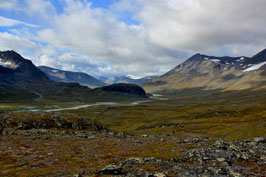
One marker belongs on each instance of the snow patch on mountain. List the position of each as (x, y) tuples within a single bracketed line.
[(216, 60), (54, 71), (255, 67), (131, 76), (7, 64)]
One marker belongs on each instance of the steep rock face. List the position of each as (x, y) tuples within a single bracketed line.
[(210, 72), (68, 77)]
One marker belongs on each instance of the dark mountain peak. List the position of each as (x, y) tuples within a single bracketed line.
[(10, 52), (258, 58), (226, 60), (197, 56), (261, 55), (11, 55), (17, 70)]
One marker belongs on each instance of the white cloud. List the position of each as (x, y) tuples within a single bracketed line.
[(99, 35), (12, 42), (48, 56), (33, 9), (202, 25), (7, 22), (9, 4), (168, 31), (40, 7)]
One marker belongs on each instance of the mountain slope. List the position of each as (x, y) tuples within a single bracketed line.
[(211, 73), (14, 69), (68, 77)]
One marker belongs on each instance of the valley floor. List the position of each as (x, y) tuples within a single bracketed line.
[(209, 134)]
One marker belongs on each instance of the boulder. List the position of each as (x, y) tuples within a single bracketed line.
[(77, 126), (111, 170)]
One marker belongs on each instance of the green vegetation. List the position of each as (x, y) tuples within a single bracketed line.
[(236, 118), (228, 115)]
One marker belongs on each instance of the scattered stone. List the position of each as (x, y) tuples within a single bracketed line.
[(111, 170), (221, 159), (25, 126), (77, 175), (159, 175), (149, 174)]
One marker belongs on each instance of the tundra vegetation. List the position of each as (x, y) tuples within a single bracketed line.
[(173, 137)]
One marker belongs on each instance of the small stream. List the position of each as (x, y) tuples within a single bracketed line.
[(33, 109)]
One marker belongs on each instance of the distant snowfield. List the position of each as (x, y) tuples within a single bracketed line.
[(216, 60), (255, 67), (131, 76), (54, 71)]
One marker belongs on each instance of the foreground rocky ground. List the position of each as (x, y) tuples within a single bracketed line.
[(65, 145)]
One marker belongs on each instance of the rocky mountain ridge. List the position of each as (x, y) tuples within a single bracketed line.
[(213, 73), (69, 76), (129, 78)]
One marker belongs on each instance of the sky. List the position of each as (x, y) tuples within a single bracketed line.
[(140, 37)]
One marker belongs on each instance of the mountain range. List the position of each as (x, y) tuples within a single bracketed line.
[(20, 79), (213, 73), (84, 79), (129, 78), (69, 77)]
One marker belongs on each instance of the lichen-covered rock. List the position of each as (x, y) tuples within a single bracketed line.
[(91, 124), (35, 120), (155, 175), (25, 125), (135, 161), (111, 170), (61, 122), (77, 126)]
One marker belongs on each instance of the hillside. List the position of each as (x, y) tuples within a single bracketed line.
[(69, 77), (213, 73)]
